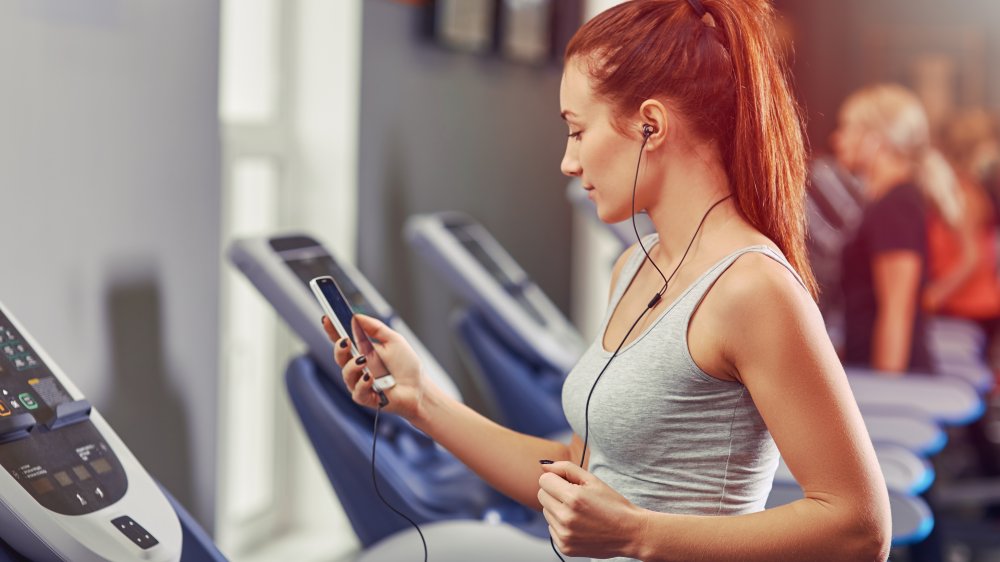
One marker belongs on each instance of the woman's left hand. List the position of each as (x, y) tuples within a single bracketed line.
[(586, 517)]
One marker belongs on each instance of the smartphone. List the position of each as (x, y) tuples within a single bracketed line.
[(340, 313)]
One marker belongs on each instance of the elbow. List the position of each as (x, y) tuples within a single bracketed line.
[(871, 536), (873, 546)]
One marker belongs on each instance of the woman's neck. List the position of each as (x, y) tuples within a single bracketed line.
[(684, 199), (887, 173)]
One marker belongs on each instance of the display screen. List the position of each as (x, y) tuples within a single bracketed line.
[(469, 242), (339, 306), (26, 383), (481, 255), (307, 268)]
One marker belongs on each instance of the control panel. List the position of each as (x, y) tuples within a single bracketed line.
[(47, 441)]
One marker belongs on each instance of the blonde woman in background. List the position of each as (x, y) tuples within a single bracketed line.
[(883, 137)]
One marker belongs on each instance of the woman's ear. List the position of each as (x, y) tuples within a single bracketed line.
[(653, 123)]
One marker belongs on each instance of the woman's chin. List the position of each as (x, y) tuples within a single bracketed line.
[(611, 216)]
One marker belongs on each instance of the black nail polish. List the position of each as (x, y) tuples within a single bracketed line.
[(545, 461), (366, 377), (360, 360), (343, 343)]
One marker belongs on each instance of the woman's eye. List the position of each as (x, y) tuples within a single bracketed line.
[(575, 135)]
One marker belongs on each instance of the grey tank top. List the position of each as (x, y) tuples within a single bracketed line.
[(663, 433)]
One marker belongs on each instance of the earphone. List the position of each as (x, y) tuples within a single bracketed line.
[(647, 130)]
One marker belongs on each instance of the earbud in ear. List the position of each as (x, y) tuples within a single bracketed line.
[(647, 130)]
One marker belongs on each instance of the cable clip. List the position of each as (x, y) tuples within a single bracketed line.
[(652, 303)]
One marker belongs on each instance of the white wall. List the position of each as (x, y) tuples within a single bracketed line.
[(109, 175)]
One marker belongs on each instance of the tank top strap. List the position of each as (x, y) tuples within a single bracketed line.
[(692, 299)]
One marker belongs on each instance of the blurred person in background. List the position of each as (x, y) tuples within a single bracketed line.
[(884, 139), (971, 142), (962, 249)]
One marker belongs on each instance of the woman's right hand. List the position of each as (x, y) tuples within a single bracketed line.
[(399, 359)]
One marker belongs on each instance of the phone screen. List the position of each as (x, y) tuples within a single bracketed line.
[(338, 304), (347, 325)]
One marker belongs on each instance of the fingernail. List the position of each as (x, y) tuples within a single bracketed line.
[(343, 342), (545, 461), (366, 377), (322, 319), (360, 360)]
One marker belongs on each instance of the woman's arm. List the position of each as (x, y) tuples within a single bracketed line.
[(940, 290), (773, 338), (508, 460), (896, 280)]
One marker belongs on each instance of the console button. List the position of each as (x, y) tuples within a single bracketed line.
[(135, 533), (16, 427), (28, 401)]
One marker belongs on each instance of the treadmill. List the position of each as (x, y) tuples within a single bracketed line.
[(70, 489)]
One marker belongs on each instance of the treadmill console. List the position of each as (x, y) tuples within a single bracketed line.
[(280, 267), (474, 264), (308, 260), (47, 441), (70, 490), (460, 230)]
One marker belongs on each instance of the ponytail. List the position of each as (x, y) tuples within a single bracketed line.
[(939, 185), (724, 73), (766, 156)]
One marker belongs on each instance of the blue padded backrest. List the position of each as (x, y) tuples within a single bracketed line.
[(529, 397)]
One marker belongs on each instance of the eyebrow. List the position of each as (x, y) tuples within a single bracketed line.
[(565, 113)]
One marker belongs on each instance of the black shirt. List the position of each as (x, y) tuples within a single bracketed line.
[(896, 222)]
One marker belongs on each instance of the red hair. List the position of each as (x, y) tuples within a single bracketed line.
[(728, 78)]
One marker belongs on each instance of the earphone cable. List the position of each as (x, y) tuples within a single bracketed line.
[(379, 494), (653, 302), (635, 182)]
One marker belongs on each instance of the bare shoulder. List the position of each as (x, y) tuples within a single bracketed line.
[(764, 307), (755, 283)]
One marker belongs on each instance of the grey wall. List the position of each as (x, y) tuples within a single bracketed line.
[(442, 130), (832, 58), (109, 175)]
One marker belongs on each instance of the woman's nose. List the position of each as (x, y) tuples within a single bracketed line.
[(570, 165)]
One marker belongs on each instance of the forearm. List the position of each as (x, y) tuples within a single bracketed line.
[(808, 529), (506, 459), (941, 290), (891, 342)]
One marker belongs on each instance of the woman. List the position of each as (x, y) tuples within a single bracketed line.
[(962, 248), (883, 137), (708, 366)]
